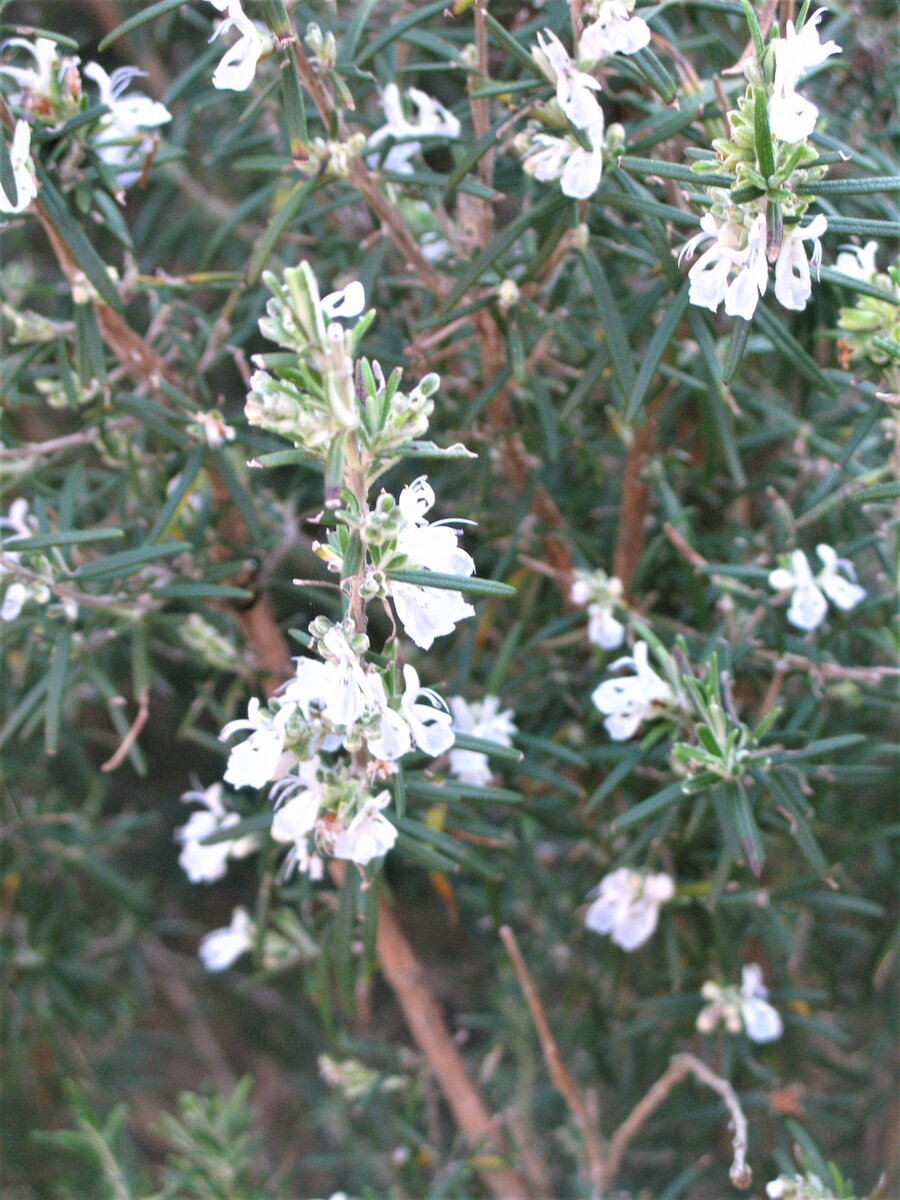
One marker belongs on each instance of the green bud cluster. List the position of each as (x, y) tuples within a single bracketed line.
[(871, 327)]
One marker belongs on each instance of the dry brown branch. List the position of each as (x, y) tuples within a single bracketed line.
[(678, 1069), (633, 504), (559, 1072), (132, 735), (684, 548)]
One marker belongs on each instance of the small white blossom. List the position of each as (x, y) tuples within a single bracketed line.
[(119, 141), (213, 427), (613, 29), (858, 261), (424, 725), (262, 757), (36, 82), (579, 171), (792, 118), (348, 302), (427, 613), (369, 835), (299, 799), (237, 68), (481, 720), (206, 864), (602, 595), (22, 169), (574, 89), (808, 605), (220, 948), (18, 593), (626, 905), (747, 1008), (792, 280), (348, 692), (710, 276), (431, 119), (632, 699)]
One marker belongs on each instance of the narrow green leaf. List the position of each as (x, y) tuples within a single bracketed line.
[(294, 107), (396, 29), (740, 335), (185, 480), (512, 46), (141, 18), (191, 589), (673, 794), (617, 775), (86, 257), (465, 741), (879, 491), (289, 209), (69, 537), (748, 830), (816, 749), (775, 330), (608, 310), (474, 153), (457, 583), (7, 174), (655, 74), (449, 846), (668, 170), (850, 187), (765, 153), (656, 348), (129, 561), (452, 790), (353, 32), (59, 664), (755, 31), (864, 228)]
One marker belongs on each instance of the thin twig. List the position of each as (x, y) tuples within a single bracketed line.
[(559, 1072), (133, 733), (679, 1068)]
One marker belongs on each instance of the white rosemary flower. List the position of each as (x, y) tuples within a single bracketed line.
[(120, 140), (574, 88), (299, 799), (808, 605), (628, 701), (424, 612), (792, 118), (626, 905), (579, 171), (430, 119), (746, 1009), (426, 725), (206, 864), (792, 280), (858, 261), (348, 302), (262, 757), (22, 169), (613, 29), (18, 593), (602, 594), (221, 947), (481, 719), (237, 68), (733, 253), (369, 835)]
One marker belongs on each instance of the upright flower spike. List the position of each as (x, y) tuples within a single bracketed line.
[(23, 171), (626, 904), (792, 118), (574, 88), (121, 138), (237, 68)]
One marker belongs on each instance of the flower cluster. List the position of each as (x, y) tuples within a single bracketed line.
[(573, 150), (603, 595), (626, 904), (799, 1187), (809, 606), (202, 862), (52, 92), (756, 219), (741, 1009)]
